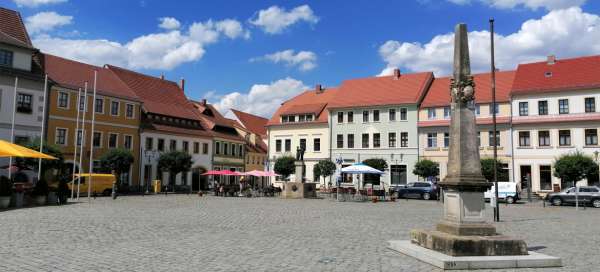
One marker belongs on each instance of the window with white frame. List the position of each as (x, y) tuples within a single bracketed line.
[(350, 117), (403, 114), (392, 139), (564, 137), (375, 115), (446, 112), (114, 108), (61, 136), (403, 139), (523, 108), (431, 113), (99, 105), (113, 140), (365, 116), (128, 142), (543, 138), (563, 106), (129, 111), (431, 139), (591, 137), (392, 114), (340, 117), (524, 138), (63, 100)]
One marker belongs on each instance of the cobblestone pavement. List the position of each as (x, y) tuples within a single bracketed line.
[(189, 233)]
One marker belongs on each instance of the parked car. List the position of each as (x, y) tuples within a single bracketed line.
[(507, 191), (423, 190), (585, 195), (101, 183)]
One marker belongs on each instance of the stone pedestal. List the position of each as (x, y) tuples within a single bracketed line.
[(296, 190)]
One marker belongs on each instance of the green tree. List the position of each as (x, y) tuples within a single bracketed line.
[(377, 163), (175, 162), (47, 165), (574, 167), (326, 168), (317, 173), (118, 160), (487, 169), (426, 168), (285, 166)]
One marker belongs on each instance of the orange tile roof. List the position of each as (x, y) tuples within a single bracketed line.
[(12, 29), (564, 74), (159, 96), (386, 90), (439, 92), (251, 122), (72, 74), (179, 130), (309, 99)]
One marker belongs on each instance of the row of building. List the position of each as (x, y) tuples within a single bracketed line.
[(148, 115), (544, 109)]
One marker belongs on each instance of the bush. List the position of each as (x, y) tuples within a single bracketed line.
[(175, 162), (118, 160), (426, 169), (41, 188), (5, 186), (285, 166)]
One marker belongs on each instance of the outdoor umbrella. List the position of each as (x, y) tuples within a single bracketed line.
[(360, 168), (13, 150), (231, 173), (255, 173), (212, 172)]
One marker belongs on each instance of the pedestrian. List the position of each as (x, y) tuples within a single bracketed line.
[(221, 190)]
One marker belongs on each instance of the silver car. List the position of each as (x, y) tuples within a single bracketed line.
[(585, 195)]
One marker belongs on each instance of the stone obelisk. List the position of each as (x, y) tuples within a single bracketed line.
[(464, 231)]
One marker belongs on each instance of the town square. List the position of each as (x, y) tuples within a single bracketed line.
[(473, 149)]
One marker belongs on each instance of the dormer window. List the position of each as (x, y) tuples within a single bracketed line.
[(301, 118), (284, 119), (309, 118), (6, 58), (548, 74)]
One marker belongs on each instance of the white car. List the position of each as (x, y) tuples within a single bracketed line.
[(507, 191)]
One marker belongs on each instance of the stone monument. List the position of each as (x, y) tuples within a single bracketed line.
[(299, 188), (463, 231)]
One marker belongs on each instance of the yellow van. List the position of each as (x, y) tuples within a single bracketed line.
[(101, 183)]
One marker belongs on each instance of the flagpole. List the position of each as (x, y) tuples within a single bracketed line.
[(85, 87), (493, 76), (76, 137), (12, 129), (43, 124), (92, 137)]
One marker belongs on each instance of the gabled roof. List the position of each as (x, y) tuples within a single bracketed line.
[(560, 75), (439, 92), (385, 90), (72, 74), (12, 29), (212, 120), (251, 122), (311, 101), (159, 96)]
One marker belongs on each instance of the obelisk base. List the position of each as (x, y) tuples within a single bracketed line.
[(296, 190)]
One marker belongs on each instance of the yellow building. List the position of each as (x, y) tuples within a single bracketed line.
[(434, 120), (253, 129), (117, 114)]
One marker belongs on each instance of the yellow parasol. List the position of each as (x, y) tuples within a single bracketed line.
[(13, 150)]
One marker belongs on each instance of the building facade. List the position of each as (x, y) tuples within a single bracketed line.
[(116, 113), (301, 122), (554, 112), (434, 120), (168, 122), (20, 65), (253, 129), (377, 118)]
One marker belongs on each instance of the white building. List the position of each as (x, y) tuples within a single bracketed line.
[(554, 112), (301, 121), (376, 118)]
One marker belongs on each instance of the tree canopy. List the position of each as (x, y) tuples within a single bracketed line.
[(574, 167), (175, 162), (377, 163), (487, 169), (118, 160), (426, 168), (285, 166)]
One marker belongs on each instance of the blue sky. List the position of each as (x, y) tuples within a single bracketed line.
[(252, 55)]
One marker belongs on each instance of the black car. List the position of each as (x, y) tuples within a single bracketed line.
[(423, 190)]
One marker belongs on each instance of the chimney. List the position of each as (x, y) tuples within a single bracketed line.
[(162, 76), (551, 59), (397, 73), (318, 88), (204, 102), (182, 84)]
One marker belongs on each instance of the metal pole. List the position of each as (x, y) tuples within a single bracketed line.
[(75, 145), (43, 123), (92, 137), (82, 134), (12, 129), (495, 141)]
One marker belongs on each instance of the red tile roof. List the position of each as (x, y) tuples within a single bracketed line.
[(386, 90), (12, 29), (309, 99), (159, 96), (72, 74), (251, 122), (564, 74), (210, 116), (439, 92), (179, 130), (310, 108)]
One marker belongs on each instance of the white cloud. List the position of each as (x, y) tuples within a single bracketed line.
[(36, 3), (169, 23), (304, 60), (531, 4), (275, 20), (262, 99), (164, 51), (46, 21), (566, 33)]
